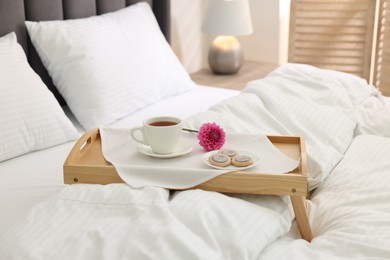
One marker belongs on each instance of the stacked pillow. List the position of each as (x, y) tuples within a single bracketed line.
[(31, 118), (109, 66)]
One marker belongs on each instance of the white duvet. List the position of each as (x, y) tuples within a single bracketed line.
[(327, 108), (118, 222), (349, 210)]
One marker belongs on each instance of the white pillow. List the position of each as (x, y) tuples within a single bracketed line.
[(31, 118), (108, 66)]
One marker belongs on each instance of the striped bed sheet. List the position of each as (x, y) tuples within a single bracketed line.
[(345, 123), (350, 212)]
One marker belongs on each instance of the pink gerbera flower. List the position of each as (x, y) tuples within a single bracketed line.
[(211, 136)]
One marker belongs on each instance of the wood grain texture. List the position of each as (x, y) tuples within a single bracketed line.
[(301, 217), (382, 54), (333, 34), (86, 164), (250, 71)]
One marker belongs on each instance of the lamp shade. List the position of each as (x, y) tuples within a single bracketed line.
[(227, 17)]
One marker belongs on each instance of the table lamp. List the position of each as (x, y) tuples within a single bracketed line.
[(226, 19)]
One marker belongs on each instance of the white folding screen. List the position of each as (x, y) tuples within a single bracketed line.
[(382, 64), (333, 34)]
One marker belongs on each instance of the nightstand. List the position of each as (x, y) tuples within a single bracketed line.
[(250, 71)]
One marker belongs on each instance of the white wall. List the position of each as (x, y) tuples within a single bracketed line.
[(262, 44), (268, 43), (187, 38), (284, 23)]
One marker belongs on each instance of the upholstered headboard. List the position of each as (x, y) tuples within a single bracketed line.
[(13, 13)]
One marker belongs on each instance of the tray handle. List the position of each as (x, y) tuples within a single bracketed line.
[(82, 145)]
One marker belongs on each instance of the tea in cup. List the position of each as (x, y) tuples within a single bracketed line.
[(162, 133)]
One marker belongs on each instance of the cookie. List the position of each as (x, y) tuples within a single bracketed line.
[(242, 160), (228, 152), (219, 159)]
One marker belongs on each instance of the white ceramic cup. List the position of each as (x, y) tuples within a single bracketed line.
[(162, 133)]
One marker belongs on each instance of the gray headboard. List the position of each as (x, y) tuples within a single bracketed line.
[(13, 13)]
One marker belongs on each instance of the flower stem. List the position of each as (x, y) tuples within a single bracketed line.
[(190, 130)]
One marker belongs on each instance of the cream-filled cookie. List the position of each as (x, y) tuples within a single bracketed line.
[(228, 152), (219, 159), (242, 160)]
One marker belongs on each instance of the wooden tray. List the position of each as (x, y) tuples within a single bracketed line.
[(86, 164)]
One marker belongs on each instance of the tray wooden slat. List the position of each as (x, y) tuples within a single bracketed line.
[(86, 164)]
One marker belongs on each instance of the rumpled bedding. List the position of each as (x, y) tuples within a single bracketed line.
[(328, 108), (340, 117), (350, 212), (118, 222)]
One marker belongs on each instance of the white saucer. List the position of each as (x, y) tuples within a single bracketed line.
[(180, 150), (231, 167)]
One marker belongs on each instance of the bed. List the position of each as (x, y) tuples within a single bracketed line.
[(111, 65)]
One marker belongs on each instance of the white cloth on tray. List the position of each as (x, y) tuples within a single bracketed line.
[(139, 170)]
